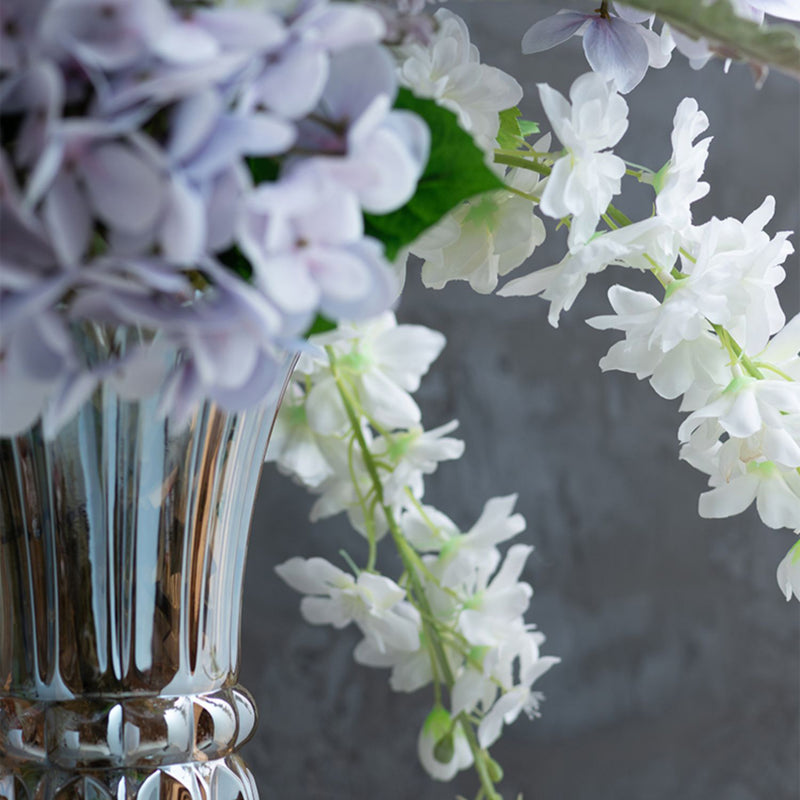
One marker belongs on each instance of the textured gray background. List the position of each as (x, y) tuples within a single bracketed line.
[(680, 677)]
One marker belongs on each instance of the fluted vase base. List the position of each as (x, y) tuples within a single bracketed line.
[(148, 747), (222, 779)]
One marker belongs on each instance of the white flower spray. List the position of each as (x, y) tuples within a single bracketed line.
[(454, 618)]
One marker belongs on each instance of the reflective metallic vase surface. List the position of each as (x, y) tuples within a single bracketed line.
[(122, 551)]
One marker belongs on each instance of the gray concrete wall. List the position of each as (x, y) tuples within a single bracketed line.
[(681, 662)]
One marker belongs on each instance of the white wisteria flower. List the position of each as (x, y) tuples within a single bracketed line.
[(584, 180), (788, 573), (782, 353), (415, 453), (699, 365), (382, 363), (514, 701), (678, 183), (561, 283), (748, 406), (443, 762), (494, 612), (448, 69), (732, 272), (411, 669), (473, 556), (374, 602), (729, 277), (736, 483), (483, 238), (411, 454), (294, 445)]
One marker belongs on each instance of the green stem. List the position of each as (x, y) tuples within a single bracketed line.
[(527, 195), (411, 562), (772, 368), (529, 151), (621, 219), (478, 755), (355, 425), (736, 350), (520, 161)]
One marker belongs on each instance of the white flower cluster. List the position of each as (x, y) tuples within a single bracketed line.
[(381, 363), (153, 156), (484, 238), (350, 431), (717, 334), (449, 70)]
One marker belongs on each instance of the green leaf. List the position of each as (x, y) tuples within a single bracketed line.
[(320, 325), (513, 129), (234, 259), (263, 170), (728, 34), (455, 171), (526, 127), (509, 134)]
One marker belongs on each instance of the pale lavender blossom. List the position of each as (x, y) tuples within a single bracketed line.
[(616, 47), (376, 152), (296, 74), (127, 172), (40, 374), (304, 237)]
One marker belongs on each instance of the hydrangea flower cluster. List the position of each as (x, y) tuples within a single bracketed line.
[(198, 175), (351, 434)]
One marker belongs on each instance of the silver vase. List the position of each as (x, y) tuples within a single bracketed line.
[(122, 552)]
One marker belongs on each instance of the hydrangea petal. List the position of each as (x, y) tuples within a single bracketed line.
[(125, 189)]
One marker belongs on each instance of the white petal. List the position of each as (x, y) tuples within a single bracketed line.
[(311, 576), (729, 499)]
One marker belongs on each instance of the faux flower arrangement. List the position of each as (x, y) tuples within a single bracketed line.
[(238, 180)]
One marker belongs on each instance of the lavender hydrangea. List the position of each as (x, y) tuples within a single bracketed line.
[(143, 149)]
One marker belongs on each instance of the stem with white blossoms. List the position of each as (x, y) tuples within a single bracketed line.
[(744, 429), (616, 219), (442, 672)]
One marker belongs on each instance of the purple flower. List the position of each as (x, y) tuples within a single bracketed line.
[(616, 48), (304, 237), (376, 152), (126, 176), (40, 371), (103, 34), (293, 81)]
